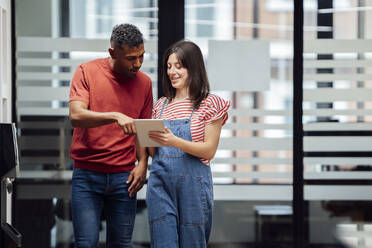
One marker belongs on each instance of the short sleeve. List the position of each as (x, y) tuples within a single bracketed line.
[(147, 108), (216, 108), (157, 108), (79, 89)]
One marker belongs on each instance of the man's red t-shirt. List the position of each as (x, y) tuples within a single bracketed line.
[(106, 148)]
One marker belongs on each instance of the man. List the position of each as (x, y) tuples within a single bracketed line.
[(105, 96)]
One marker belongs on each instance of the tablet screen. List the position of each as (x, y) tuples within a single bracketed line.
[(144, 126)]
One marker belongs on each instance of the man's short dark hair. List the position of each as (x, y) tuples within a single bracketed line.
[(126, 34)]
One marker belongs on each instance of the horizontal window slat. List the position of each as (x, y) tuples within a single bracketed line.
[(25, 160), (259, 112), (328, 46), (255, 144), (29, 93), (331, 63), (254, 175), (338, 192), (251, 160), (306, 112), (65, 76), (340, 143), (337, 76), (256, 126), (45, 62), (338, 175), (332, 112), (253, 192), (41, 143), (329, 95), (321, 126), (47, 44), (32, 76), (337, 160), (332, 126), (44, 124), (43, 111)]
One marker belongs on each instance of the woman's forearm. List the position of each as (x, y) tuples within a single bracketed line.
[(205, 150)]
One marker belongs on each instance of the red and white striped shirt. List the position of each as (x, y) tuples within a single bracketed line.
[(212, 108)]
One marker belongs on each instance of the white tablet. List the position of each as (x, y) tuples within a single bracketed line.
[(144, 126)]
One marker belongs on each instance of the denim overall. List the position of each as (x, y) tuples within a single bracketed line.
[(179, 194)]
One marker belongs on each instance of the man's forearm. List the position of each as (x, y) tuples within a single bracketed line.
[(87, 118), (141, 154)]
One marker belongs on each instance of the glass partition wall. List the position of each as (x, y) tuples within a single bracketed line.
[(248, 47), (337, 122), (49, 48)]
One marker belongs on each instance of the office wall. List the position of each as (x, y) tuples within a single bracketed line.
[(5, 62)]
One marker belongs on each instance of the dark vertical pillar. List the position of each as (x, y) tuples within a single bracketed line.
[(13, 54), (14, 101), (171, 28), (361, 56), (64, 10), (64, 31), (255, 95), (255, 18), (324, 20), (152, 25), (298, 183)]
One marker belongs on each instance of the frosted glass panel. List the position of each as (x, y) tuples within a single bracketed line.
[(240, 65)]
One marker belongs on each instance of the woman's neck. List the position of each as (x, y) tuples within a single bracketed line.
[(181, 94)]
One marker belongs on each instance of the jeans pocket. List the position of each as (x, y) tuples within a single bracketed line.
[(173, 152), (155, 199), (191, 208)]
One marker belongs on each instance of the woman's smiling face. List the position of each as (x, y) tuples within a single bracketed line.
[(177, 74)]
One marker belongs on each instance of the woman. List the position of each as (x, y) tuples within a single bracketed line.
[(180, 188)]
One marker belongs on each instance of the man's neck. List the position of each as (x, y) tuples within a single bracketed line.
[(112, 64), (115, 69)]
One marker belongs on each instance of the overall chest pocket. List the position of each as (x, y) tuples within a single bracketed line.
[(181, 130)]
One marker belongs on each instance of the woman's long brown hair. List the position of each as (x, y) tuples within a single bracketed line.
[(191, 58)]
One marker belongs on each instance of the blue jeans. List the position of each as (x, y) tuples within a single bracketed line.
[(90, 192)]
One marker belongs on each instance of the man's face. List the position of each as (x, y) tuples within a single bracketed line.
[(128, 60)]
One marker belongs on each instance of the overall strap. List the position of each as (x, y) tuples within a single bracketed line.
[(162, 108), (193, 110)]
